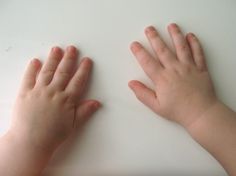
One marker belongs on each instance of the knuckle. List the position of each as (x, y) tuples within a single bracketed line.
[(139, 96), (63, 73), (46, 93), (162, 49), (78, 82), (186, 69), (182, 47), (145, 61), (71, 98), (48, 72), (58, 97), (163, 78)]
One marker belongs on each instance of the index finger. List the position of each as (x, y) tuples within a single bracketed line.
[(148, 63)]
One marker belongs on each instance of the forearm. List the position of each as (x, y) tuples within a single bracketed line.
[(216, 132), (18, 158)]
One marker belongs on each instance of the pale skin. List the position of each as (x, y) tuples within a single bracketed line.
[(49, 106), (184, 93), (48, 109)]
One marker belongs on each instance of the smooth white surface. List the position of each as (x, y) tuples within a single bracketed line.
[(124, 137)]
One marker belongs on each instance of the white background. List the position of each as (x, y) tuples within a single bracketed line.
[(124, 137)]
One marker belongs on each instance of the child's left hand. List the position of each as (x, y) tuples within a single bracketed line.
[(49, 107)]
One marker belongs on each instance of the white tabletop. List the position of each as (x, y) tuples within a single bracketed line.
[(124, 137)]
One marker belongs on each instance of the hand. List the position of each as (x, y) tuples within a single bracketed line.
[(183, 88), (49, 106)]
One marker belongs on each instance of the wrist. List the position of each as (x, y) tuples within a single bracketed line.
[(23, 157), (24, 142), (206, 117), (215, 131), (197, 111)]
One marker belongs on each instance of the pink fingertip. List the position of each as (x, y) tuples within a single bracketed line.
[(56, 49), (173, 26), (150, 29), (96, 104), (71, 49), (132, 84), (135, 46), (87, 59), (35, 62), (86, 62), (192, 35)]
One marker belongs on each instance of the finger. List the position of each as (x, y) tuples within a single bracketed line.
[(197, 51), (160, 48), (65, 69), (182, 48), (78, 82), (145, 95), (29, 78), (150, 66), (50, 66), (85, 110)]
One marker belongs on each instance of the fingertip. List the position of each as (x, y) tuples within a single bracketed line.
[(30, 74), (173, 28), (94, 105), (134, 83), (134, 43), (36, 63), (172, 25), (87, 60), (131, 84), (97, 104), (71, 49), (56, 50), (34, 60), (135, 46), (190, 36), (150, 28)]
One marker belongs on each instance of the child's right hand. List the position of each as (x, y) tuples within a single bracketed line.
[(184, 93), (183, 88)]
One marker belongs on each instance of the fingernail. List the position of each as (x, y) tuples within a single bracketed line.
[(71, 49), (136, 46), (192, 35), (35, 62), (56, 49), (87, 59), (174, 25), (96, 105), (150, 29), (130, 84)]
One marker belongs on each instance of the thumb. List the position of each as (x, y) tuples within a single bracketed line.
[(85, 110)]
